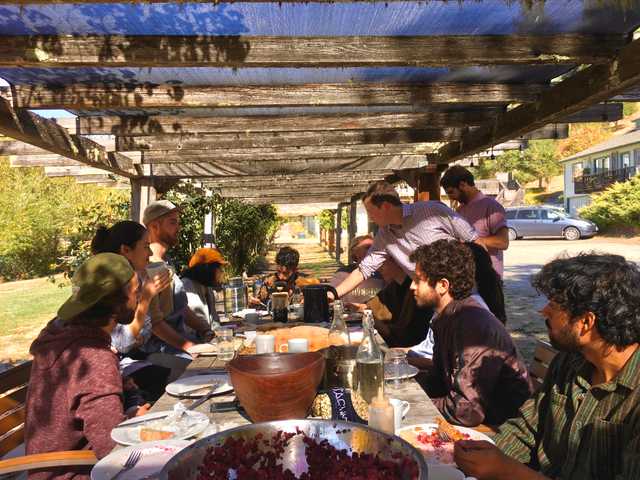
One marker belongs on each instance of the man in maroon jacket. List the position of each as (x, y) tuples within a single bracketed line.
[(477, 376), (74, 397)]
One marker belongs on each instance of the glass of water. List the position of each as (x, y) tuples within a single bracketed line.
[(396, 364), (226, 349)]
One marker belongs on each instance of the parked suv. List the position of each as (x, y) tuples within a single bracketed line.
[(531, 221)]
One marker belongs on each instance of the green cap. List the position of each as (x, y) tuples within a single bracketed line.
[(98, 277)]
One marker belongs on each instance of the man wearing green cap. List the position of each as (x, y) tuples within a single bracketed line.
[(75, 388)]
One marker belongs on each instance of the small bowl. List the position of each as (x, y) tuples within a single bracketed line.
[(276, 386)]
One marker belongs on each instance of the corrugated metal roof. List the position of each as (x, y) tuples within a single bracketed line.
[(617, 141), (489, 17), (281, 76)]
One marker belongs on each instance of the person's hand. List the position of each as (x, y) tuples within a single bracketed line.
[(357, 307), (255, 301), (481, 459), (153, 286), (143, 410)]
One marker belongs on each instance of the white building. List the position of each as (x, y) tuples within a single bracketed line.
[(594, 169)]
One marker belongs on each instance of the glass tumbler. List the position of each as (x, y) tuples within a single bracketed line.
[(396, 364), (226, 350)]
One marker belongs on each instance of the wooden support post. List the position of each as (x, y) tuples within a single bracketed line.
[(142, 194), (209, 234), (353, 225), (428, 187), (338, 231)]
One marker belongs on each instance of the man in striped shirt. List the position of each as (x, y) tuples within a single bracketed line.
[(403, 228), (584, 422)]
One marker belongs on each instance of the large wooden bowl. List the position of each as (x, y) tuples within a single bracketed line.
[(276, 386)]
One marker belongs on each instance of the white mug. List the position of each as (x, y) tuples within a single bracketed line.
[(400, 409), (265, 344), (296, 345)]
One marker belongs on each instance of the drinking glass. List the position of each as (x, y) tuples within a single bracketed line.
[(396, 364), (226, 350)]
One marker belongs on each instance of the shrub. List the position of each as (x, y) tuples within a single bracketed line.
[(243, 231), (617, 208), (44, 219)]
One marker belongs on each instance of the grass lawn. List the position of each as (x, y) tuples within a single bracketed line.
[(25, 307)]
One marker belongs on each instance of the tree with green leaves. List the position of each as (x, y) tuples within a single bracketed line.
[(538, 162)]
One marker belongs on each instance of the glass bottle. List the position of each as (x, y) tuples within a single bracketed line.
[(338, 331), (369, 363)]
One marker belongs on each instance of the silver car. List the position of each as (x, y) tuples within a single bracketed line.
[(530, 221)]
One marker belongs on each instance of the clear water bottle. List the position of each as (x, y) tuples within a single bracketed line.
[(369, 363), (338, 331)]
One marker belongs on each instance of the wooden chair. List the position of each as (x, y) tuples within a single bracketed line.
[(542, 357), (13, 394)]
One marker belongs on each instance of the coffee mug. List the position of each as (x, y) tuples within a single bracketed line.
[(265, 343), (400, 409), (295, 345)]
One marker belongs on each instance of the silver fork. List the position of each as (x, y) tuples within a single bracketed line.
[(444, 436), (132, 460)]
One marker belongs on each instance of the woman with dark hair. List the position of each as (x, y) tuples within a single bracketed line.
[(131, 240), (488, 282), (205, 274)]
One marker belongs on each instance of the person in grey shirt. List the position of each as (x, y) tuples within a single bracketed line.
[(402, 229)]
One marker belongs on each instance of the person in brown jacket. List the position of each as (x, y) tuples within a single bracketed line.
[(75, 389), (477, 375)]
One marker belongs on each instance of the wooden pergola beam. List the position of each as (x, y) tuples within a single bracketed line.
[(311, 52), (278, 191), (262, 140), (103, 97), (291, 199), (49, 160), (284, 153), (216, 169), (344, 178), (591, 85), (160, 124), (601, 112), (46, 134)]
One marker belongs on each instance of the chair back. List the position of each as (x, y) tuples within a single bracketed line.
[(542, 357), (13, 395)]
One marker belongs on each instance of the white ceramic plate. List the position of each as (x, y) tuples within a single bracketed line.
[(131, 435), (187, 387), (204, 349), (445, 472), (154, 456), (243, 313), (408, 371), (440, 455)]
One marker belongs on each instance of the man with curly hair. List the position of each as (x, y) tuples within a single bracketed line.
[(584, 421), (477, 376)]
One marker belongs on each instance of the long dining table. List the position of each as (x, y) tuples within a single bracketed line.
[(422, 410)]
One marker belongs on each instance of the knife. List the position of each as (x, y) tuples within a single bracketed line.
[(206, 397)]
